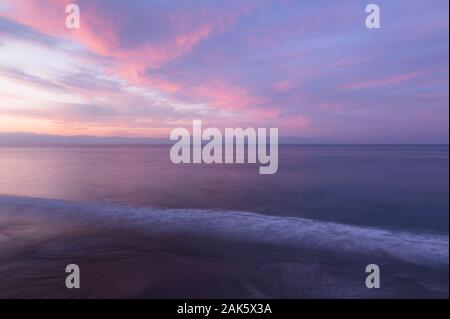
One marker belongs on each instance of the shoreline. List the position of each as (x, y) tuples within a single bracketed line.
[(122, 260)]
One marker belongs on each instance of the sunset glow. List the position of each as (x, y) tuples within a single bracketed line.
[(140, 70)]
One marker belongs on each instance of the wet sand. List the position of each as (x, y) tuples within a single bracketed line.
[(121, 261)]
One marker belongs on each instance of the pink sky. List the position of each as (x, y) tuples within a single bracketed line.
[(141, 68)]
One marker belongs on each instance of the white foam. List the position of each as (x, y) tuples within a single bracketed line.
[(422, 249)]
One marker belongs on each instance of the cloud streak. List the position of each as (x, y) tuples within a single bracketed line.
[(312, 69)]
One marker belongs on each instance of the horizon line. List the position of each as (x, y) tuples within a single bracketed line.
[(38, 139)]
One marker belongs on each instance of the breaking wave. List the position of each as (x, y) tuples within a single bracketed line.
[(417, 248)]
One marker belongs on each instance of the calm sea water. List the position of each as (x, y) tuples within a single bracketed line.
[(404, 187), (156, 229)]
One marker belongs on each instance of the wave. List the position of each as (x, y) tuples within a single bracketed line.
[(417, 248)]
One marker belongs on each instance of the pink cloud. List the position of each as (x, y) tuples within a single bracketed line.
[(330, 107), (100, 28), (99, 32), (393, 80), (287, 125), (282, 86), (222, 95)]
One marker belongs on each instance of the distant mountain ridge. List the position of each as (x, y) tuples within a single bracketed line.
[(36, 139)]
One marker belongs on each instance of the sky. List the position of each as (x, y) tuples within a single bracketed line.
[(310, 68)]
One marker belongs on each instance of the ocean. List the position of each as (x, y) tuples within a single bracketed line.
[(140, 226)]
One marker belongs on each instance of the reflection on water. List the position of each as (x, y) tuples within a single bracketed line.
[(384, 186)]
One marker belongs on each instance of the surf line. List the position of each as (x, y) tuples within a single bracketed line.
[(255, 141)]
